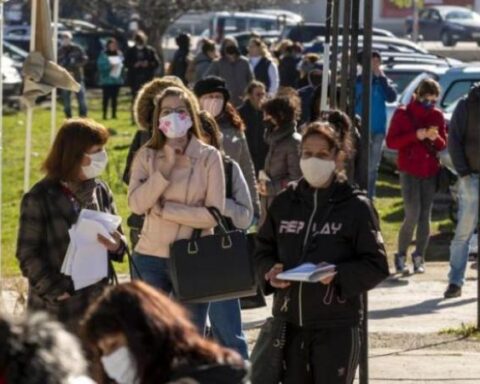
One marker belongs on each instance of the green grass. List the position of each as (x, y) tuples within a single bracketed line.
[(13, 162), (389, 202), (464, 331)]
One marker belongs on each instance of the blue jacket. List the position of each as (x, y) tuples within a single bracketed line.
[(382, 92)]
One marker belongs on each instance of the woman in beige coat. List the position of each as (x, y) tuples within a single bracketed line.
[(174, 178)]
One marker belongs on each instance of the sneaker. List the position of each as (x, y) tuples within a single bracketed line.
[(418, 265), (400, 265), (452, 291)]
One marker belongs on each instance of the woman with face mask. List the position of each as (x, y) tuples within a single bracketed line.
[(321, 218), (76, 160), (174, 179), (282, 164), (143, 337), (214, 98), (418, 132)]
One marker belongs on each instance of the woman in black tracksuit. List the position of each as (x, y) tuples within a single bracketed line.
[(321, 218)]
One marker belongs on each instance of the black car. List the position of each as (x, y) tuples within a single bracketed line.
[(450, 24), (307, 32)]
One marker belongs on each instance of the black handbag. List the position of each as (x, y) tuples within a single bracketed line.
[(267, 355), (212, 268)]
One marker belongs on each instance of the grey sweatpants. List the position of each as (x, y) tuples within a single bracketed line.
[(418, 197)]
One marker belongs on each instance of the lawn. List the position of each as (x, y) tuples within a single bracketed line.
[(389, 202)]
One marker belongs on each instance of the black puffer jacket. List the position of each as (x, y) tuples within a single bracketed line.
[(338, 226)]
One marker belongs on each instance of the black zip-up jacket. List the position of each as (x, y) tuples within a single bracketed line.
[(338, 226)]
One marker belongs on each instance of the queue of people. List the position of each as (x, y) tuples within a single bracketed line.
[(213, 138)]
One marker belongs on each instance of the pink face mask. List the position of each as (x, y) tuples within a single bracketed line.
[(175, 125)]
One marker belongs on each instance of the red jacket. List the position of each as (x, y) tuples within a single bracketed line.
[(415, 157)]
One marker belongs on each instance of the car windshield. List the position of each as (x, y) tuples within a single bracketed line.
[(401, 79), (462, 15)]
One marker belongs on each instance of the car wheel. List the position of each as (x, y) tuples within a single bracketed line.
[(447, 39)]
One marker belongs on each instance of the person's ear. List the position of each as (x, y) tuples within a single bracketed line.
[(340, 161)]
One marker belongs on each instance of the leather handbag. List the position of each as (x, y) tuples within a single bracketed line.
[(268, 354), (212, 268)]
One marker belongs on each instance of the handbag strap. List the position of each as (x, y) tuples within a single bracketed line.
[(221, 223)]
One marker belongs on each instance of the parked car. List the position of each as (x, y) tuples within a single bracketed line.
[(17, 54), (379, 43), (12, 81), (449, 24), (307, 32), (270, 37), (402, 69), (224, 23), (455, 83)]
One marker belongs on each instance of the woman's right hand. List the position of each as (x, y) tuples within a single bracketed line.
[(271, 277)]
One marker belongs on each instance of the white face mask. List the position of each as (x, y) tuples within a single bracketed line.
[(316, 171), (97, 165), (120, 366), (212, 106), (175, 125)]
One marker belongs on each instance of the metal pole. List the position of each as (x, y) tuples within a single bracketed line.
[(365, 148), (326, 58), (347, 14), (53, 122), (354, 56), (28, 139), (1, 149), (415, 21), (334, 55)]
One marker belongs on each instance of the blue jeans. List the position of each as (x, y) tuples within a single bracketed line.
[(155, 271), (82, 102), (375, 157), (226, 322), (467, 222)]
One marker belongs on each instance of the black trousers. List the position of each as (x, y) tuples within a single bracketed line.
[(325, 356), (110, 93)]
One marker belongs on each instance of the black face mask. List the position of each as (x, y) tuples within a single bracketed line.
[(269, 124), (232, 50)]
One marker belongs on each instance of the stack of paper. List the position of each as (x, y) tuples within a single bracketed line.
[(86, 260), (309, 273), (117, 65)]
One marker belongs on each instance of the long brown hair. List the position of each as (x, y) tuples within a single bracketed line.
[(74, 138), (159, 139), (233, 117), (159, 334)]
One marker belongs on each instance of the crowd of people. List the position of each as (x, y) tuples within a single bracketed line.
[(245, 136)]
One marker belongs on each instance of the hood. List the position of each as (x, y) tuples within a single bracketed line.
[(215, 373), (144, 106), (280, 134), (471, 24), (228, 39), (340, 191)]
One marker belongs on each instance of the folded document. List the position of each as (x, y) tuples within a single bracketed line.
[(309, 272), (86, 260)]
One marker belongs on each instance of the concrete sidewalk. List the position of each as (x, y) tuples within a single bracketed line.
[(405, 318)]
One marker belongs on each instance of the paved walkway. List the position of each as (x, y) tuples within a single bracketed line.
[(408, 308)]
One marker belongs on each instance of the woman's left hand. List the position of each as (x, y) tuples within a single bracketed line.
[(327, 280), (112, 246)]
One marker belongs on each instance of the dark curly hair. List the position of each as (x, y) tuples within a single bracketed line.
[(159, 334), (282, 109)]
